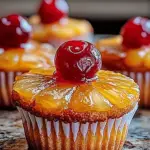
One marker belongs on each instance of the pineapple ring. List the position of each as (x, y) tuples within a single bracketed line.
[(32, 55), (111, 95), (112, 51), (65, 29)]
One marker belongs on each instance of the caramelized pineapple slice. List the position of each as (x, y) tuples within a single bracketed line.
[(87, 98), (29, 85), (56, 98), (33, 55), (110, 90)]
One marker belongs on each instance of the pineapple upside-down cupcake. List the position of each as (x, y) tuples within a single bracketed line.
[(129, 54), (18, 54), (52, 25), (75, 105)]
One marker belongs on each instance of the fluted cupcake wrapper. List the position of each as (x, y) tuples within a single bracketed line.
[(143, 80), (42, 134), (6, 84), (57, 42)]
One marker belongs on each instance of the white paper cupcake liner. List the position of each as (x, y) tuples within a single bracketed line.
[(43, 134), (57, 42), (6, 84), (143, 80)]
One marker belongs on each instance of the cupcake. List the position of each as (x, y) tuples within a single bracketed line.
[(18, 54), (129, 54), (52, 25), (75, 105)]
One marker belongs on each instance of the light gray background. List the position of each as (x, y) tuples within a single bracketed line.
[(99, 9)]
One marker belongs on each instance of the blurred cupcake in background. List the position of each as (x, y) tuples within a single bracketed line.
[(18, 53), (75, 106), (52, 24), (129, 53)]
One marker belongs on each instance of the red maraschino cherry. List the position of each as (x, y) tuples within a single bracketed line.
[(136, 33), (14, 31), (51, 11), (77, 61)]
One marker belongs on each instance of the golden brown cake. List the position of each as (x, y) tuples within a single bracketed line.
[(19, 54), (129, 54), (75, 105), (52, 25)]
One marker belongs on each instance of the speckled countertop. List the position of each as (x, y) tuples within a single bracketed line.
[(12, 135)]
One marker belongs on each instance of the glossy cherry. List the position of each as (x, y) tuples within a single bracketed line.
[(77, 61), (136, 33), (14, 30), (51, 11)]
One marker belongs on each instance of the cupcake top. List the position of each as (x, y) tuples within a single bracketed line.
[(131, 49), (17, 51), (76, 89), (52, 21)]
